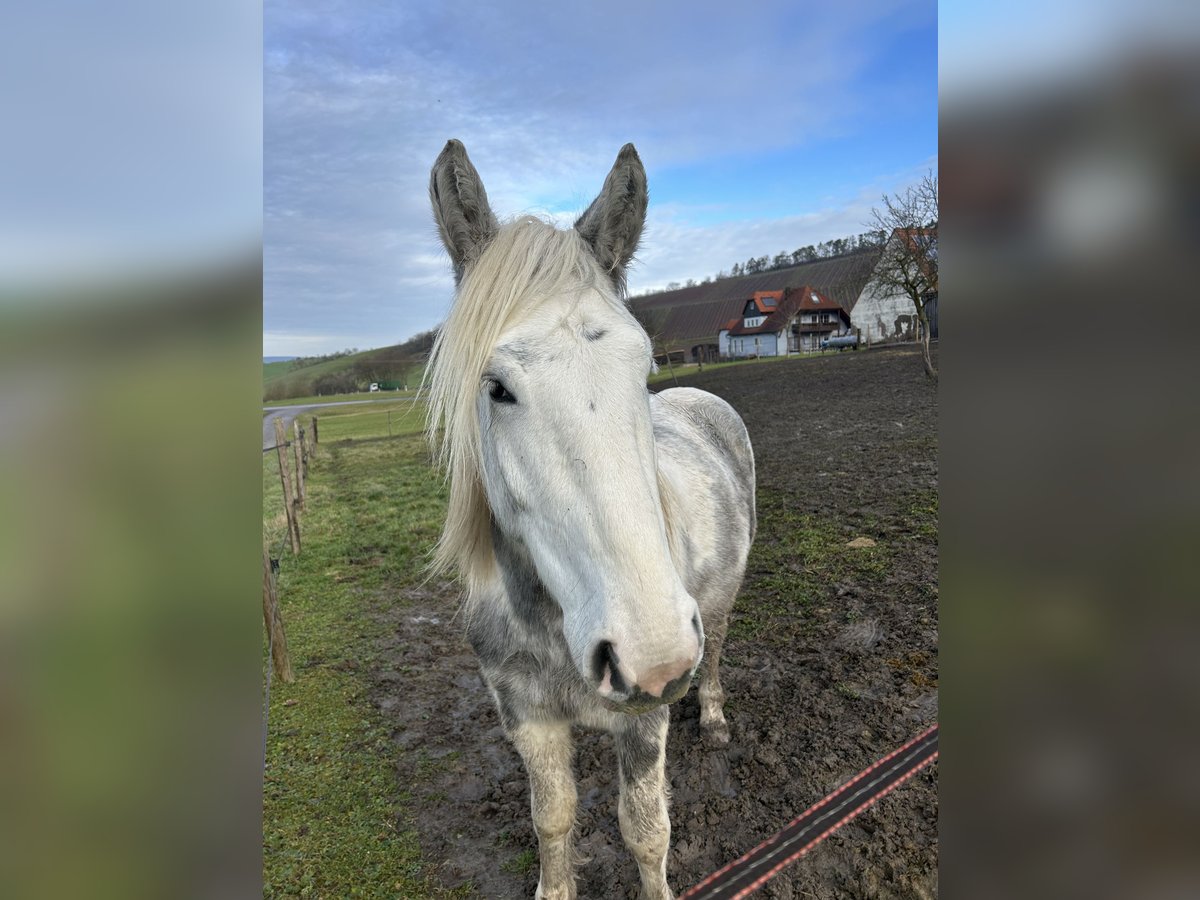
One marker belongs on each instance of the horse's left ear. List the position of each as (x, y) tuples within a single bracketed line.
[(460, 207), (612, 225)]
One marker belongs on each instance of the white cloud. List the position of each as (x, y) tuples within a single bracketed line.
[(360, 97), (675, 249)]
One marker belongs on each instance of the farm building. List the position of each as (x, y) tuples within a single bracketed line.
[(700, 323), (882, 314), (687, 322), (776, 323)]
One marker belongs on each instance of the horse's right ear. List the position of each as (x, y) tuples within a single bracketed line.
[(460, 206), (612, 225)]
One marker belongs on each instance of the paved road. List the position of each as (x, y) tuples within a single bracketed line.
[(288, 413)]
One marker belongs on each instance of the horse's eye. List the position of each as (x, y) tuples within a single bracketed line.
[(500, 394)]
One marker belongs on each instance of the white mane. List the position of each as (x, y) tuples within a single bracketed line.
[(526, 263)]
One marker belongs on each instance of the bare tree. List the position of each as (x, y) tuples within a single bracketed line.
[(652, 321), (905, 233)]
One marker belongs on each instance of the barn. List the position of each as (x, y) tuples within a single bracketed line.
[(882, 314)]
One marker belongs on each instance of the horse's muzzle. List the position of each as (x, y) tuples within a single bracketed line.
[(641, 702), (634, 685)]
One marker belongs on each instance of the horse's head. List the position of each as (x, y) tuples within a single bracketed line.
[(539, 378)]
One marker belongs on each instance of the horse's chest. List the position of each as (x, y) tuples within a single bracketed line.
[(526, 689)]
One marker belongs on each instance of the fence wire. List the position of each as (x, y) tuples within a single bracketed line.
[(274, 561)]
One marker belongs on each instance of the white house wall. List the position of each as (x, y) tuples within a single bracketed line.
[(766, 345), (875, 316), (743, 345)]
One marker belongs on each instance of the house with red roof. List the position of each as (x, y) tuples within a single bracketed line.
[(686, 323), (781, 322)]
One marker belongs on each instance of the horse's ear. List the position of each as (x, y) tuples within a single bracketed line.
[(460, 206), (612, 225)]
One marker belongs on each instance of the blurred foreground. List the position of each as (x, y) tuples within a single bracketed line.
[(130, 621), (1069, 447), (130, 549)]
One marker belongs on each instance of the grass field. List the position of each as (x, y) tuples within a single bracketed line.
[(367, 420), (335, 819), (336, 822)]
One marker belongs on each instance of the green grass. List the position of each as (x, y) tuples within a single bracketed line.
[(274, 522), (404, 417), (521, 864), (336, 821), (923, 514), (273, 371), (795, 561)]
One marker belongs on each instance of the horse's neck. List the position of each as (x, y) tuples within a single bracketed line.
[(670, 499)]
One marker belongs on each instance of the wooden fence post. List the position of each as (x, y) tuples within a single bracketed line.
[(314, 426), (274, 622), (289, 505), (298, 449)]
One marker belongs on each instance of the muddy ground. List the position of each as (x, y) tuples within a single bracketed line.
[(821, 681)]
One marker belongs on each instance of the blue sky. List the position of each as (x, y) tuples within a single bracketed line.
[(763, 127)]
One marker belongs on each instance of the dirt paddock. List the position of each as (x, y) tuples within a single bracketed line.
[(831, 663)]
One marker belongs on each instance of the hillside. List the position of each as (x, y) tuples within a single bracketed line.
[(275, 372), (306, 377)]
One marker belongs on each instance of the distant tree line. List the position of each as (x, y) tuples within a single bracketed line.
[(395, 366), (303, 362), (781, 260)]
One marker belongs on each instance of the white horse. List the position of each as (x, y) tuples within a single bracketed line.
[(599, 530)]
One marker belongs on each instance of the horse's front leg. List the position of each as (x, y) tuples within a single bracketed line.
[(547, 751), (642, 810)]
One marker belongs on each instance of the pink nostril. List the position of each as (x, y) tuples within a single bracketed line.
[(655, 680)]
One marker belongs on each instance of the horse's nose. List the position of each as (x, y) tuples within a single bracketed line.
[(606, 666), (665, 680), (661, 681)]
